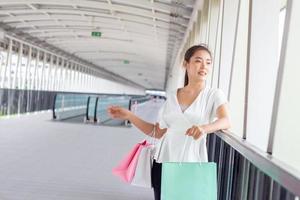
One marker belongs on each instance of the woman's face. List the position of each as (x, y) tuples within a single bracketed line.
[(199, 66)]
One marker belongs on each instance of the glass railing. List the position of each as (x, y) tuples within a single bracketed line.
[(140, 99), (104, 102), (69, 106), (92, 108)]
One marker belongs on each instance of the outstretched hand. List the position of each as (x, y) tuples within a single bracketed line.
[(118, 112)]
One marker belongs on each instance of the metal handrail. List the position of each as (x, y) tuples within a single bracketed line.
[(282, 173)]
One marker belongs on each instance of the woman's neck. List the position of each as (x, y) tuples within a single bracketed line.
[(195, 86)]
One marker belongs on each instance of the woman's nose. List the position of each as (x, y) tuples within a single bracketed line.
[(203, 65)]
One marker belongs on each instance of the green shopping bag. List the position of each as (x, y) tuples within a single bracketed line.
[(189, 181)]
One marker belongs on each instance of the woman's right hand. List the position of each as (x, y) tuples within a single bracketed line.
[(117, 112), (158, 131)]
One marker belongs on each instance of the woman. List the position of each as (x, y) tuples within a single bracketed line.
[(194, 110)]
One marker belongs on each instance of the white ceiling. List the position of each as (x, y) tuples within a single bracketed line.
[(147, 33)]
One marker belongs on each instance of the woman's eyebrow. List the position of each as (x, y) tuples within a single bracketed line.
[(198, 57)]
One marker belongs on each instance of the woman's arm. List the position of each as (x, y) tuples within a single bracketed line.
[(222, 123), (145, 127)]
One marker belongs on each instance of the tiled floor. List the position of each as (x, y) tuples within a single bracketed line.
[(45, 160)]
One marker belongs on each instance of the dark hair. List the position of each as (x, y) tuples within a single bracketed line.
[(189, 53)]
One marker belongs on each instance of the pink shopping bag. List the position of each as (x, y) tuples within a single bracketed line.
[(126, 168)]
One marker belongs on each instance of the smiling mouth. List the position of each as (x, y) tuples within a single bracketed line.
[(202, 73)]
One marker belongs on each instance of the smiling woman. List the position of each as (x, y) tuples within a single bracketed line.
[(206, 112)]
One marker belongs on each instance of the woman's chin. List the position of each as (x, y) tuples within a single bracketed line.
[(202, 78)]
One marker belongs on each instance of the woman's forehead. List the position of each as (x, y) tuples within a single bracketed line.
[(202, 54)]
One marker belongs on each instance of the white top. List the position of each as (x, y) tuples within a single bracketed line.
[(202, 111), (183, 107)]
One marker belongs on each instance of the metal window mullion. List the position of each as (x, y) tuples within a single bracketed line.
[(245, 179), (76, 77), (208, 22), (70, 87), (247, 72), (234, 49), (21, 70), (15, 78), (92, 80), (67, 76), (230, 173), (48, 73), (220, 167), (86, 76), (64, 78), (221, 44), (61, 68), (8, 55), (33, 85), (80, 77), (63, 74), (25, 78), (43, 75), (72, 77), (219, 20), (56, 70), (280, 73), (52, 70)]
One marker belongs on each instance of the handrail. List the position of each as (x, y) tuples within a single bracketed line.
[(53, 107), (95, 109), (285, 175), (87, 108)]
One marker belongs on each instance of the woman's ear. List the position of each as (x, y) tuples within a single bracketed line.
[(185, 64)]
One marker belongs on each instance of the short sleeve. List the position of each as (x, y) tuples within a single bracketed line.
[(219, 99), (160, 117)]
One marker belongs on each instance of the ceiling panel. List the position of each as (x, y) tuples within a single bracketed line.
[(139, 31)]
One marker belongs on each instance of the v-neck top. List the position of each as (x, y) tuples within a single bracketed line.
[(201, 111), (183, 107)]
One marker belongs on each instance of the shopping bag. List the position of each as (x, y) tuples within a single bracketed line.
[(192, 181), (126, 168), (142, 176)]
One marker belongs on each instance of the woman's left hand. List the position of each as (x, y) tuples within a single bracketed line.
[(195, 131)]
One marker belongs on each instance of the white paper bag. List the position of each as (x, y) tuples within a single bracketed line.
[(142, 176)]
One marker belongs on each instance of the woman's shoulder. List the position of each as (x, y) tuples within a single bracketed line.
[(214, 90), (214, 93)]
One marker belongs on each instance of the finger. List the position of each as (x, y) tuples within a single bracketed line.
[(187, 132), (192, 131), (197, 135)]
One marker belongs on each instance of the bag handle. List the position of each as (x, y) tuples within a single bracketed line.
[(152, 135), (184, 150)]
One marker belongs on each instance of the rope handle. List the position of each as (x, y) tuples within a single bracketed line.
[(152, 135), (184, 149)]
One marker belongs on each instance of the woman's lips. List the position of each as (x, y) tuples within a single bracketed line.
[(202, 73)]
